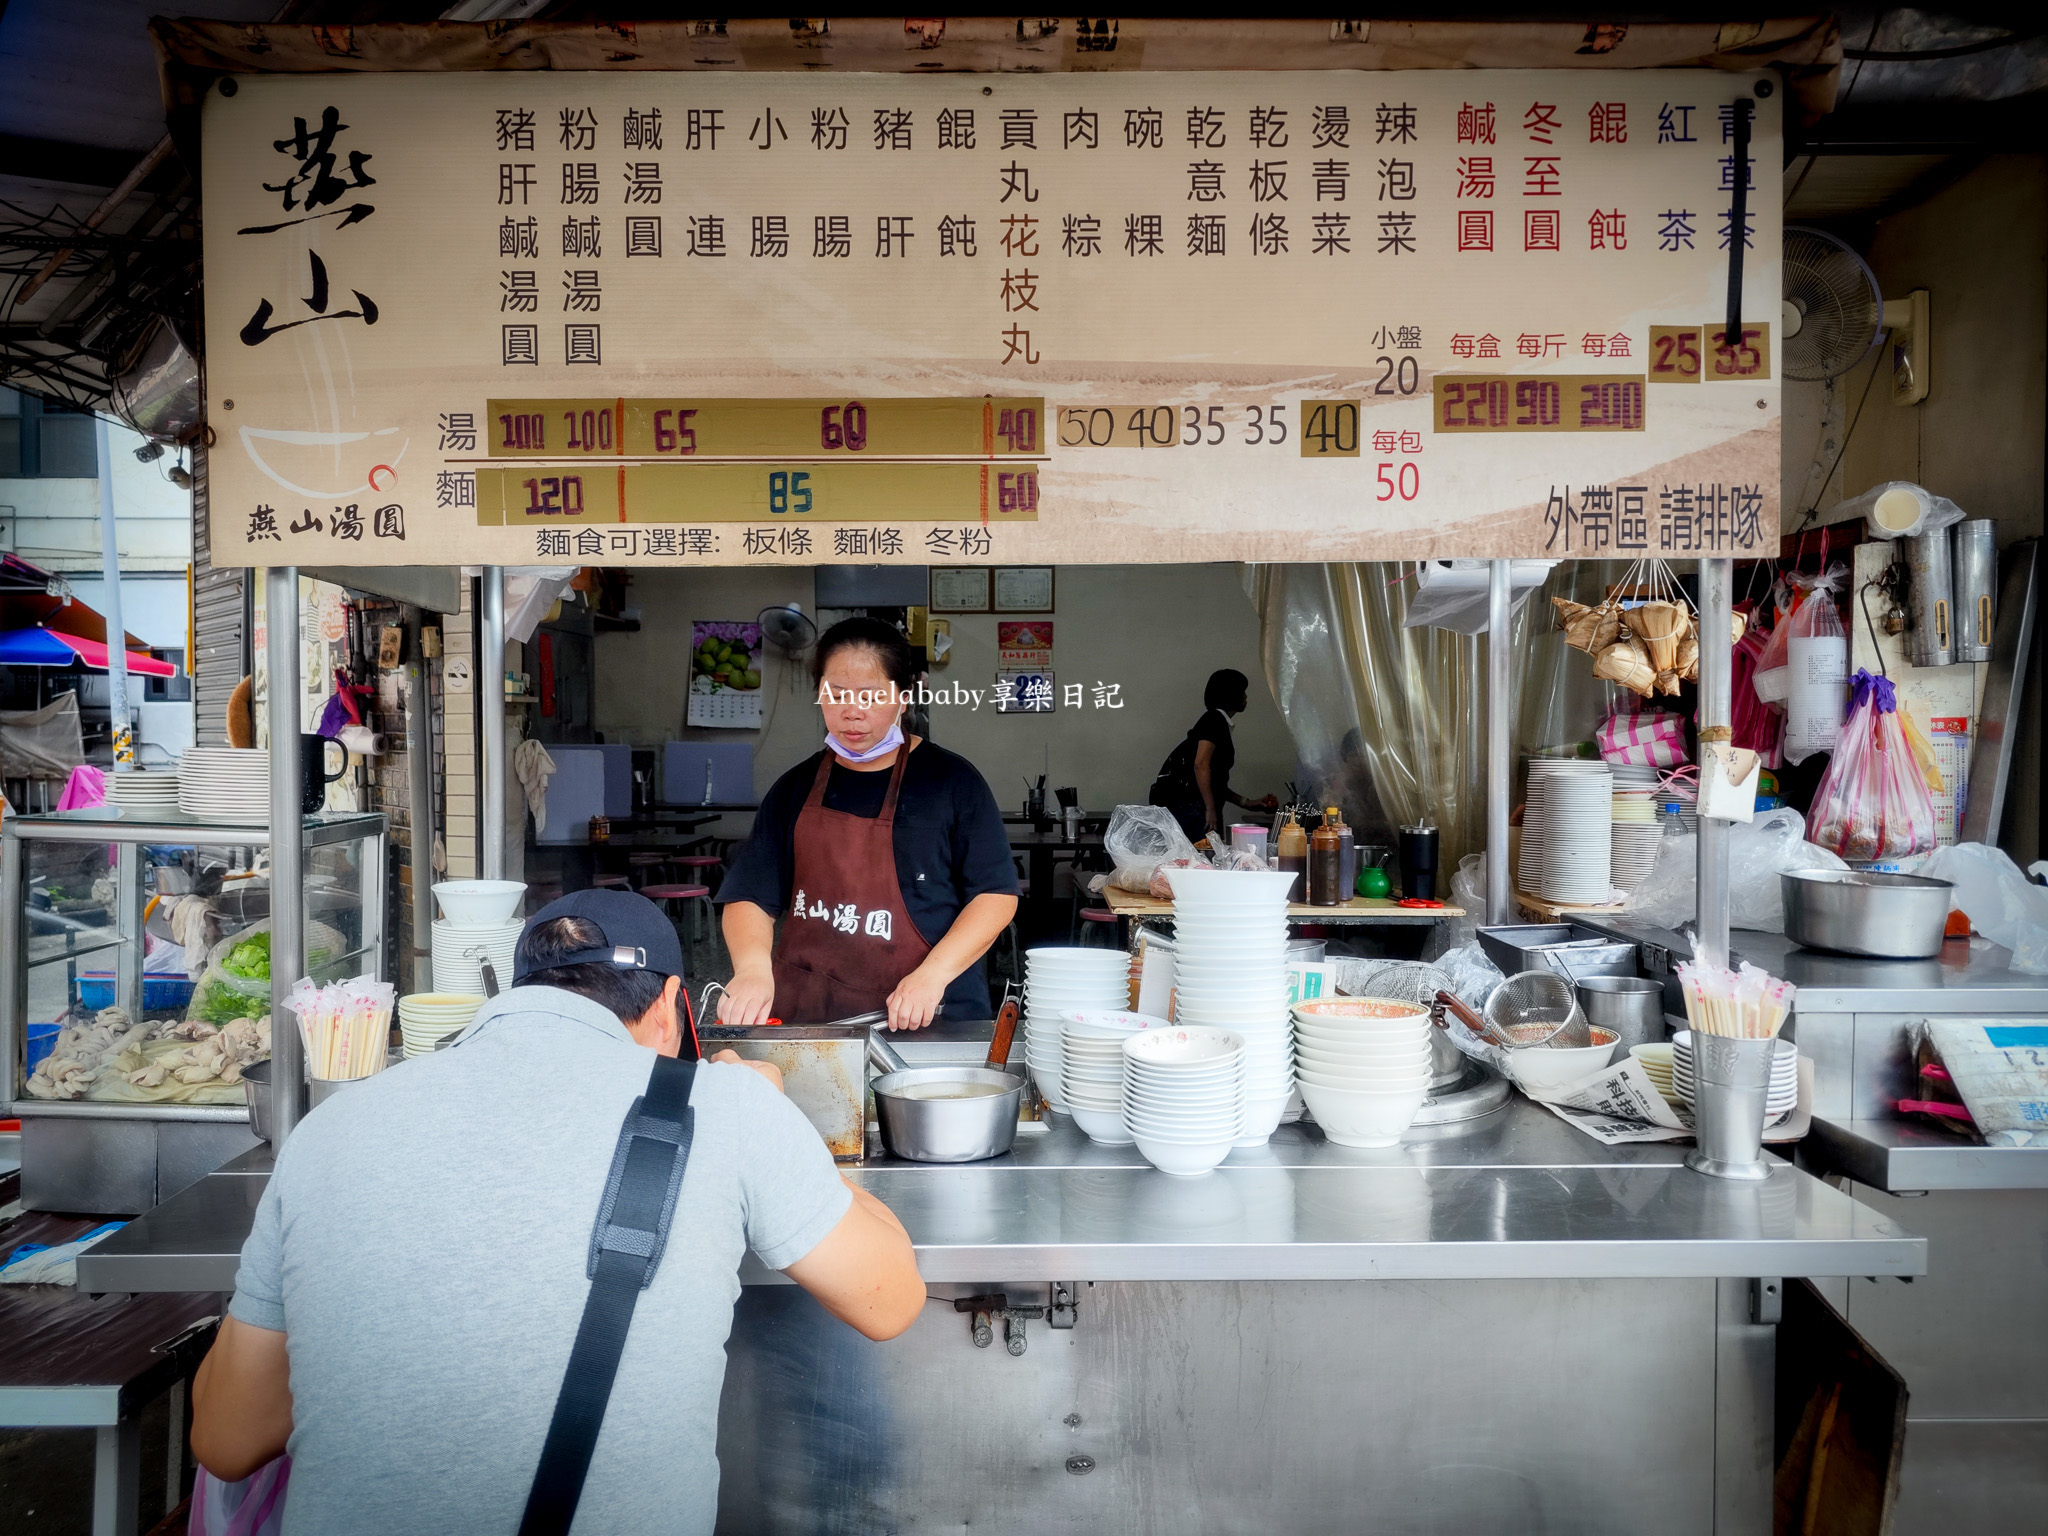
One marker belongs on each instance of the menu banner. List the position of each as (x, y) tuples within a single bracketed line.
[(655, 318)]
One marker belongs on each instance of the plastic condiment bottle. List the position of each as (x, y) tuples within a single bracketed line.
[(1291, 852), (1326, 863)]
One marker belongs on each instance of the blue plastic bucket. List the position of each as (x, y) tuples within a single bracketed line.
[(42, 1039)]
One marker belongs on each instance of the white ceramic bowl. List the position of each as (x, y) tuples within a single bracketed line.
[(1365, 1056), (1183, 1159), (1363, 1119), (479, 901), (1375, 1082), (1184, 1046), (1231, 886), (1541, 1068), (1368, 1008), (1104, 1126), (1111, 1021)]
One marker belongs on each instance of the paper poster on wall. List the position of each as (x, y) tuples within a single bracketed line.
[(995, 320), (725, 675), (1024, 673)]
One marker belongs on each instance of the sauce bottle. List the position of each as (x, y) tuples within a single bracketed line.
[(1326, 863), (1291, 853)]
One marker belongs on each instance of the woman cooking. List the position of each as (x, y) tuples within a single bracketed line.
[(1194, 781), (884, 856)]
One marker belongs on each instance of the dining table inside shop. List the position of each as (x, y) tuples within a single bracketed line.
[(1039, 913)]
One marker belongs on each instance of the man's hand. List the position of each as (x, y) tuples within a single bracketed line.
[(241, 1401), (767, 1069), (915, 1002), (748, 997)]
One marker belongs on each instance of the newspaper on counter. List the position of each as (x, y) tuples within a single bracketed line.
[(2001, 1072), (1616, 1105)]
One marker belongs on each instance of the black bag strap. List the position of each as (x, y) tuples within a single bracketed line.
[(625, 1250)]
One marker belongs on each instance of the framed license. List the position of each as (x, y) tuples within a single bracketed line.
[(1023, 589), (960, 588)]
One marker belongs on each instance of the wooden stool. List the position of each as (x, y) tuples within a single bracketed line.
[(686, 894), (611, 883)]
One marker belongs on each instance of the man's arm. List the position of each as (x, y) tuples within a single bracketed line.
[(864, 1271), (242, 1401)]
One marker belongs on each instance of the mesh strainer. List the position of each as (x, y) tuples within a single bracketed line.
[(1538, 1008)]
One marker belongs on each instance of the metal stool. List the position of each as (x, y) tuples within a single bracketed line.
[(1086, 935), (685, 893), (698, 866), (650, 866)]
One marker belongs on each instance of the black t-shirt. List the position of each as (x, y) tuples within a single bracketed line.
[(1179, 767), (950, 847)]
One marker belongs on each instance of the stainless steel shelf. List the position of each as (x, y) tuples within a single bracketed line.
[(99, 826), (1898, 1157)]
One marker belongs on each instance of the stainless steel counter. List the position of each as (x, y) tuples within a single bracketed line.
[(1519, 1195), (1969, 976)]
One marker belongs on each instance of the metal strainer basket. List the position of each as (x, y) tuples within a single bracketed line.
[(1538, 1008)]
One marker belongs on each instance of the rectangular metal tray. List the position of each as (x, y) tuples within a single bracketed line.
[(1570, 949)]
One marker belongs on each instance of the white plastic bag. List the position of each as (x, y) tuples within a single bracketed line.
[(1758, 852), (2002, 904), (1899, 509), (1140, 838), (1816, 672)]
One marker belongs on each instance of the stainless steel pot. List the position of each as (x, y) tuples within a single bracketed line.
[(1850, 912), (971, 1113), (1631, 1006)]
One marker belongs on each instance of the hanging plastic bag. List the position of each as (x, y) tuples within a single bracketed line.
[(1755, 724), (1758, 852), (1817, 670), (1899, 509), (1873, 802)]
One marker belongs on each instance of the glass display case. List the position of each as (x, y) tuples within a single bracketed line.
[(134, 955)]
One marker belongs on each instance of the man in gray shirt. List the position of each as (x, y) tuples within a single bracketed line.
[(411, 1288)]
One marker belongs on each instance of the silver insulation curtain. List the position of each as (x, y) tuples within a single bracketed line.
[(1389, 722)]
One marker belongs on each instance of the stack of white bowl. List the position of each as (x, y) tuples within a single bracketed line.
[(1230, 972), (1184, 1095), (225, 784), (1364, 1066), (142, 795), (1092, 1070), (1059, 980), (1779, 1100), (1637, 833), (461, 950), (427, 1018), (1571, 814)]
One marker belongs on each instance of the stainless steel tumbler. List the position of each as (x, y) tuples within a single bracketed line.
[(1731, 1082), (1931, 641), (1976, 579)]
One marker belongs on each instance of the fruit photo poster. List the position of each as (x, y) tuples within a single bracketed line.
[(725, 675)]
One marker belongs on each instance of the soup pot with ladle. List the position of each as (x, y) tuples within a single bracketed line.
[(947, 1114)]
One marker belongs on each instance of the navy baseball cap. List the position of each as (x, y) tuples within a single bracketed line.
[(637, 934)]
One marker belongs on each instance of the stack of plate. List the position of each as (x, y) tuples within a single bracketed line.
[(461, 949), (1571, 811), (1637, 833), (1059, 980), (225, 784), (1655, 1060), (1783, 1096), (427, 1019), (1184, 1095), (143, 795), (1092, 1070), (1230, 972), (1364, 1066)]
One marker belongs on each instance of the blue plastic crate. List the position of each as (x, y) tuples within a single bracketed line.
[(159, 993)]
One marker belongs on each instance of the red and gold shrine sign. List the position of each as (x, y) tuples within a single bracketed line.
[(674, 318)]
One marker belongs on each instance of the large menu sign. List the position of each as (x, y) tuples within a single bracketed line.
[(652, 318)]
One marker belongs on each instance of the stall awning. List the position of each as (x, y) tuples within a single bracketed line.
[(54, 648)]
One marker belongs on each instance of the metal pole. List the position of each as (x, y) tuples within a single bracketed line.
[(1717, 578), (117, 634), (1499, 611), (419, 759), (490, 686), (287, 843)]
